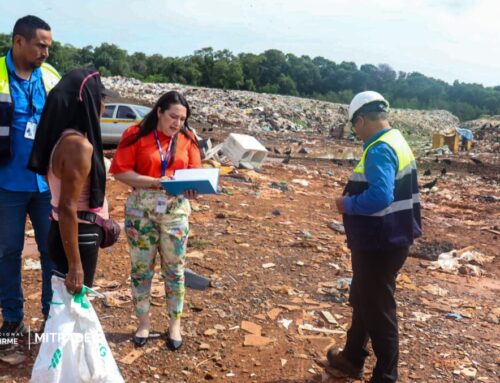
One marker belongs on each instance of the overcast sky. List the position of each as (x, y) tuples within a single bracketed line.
[(446, 39)]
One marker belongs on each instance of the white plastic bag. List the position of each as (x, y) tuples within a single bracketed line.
[(73, 346)]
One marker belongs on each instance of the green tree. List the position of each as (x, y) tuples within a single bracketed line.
[(275, 72), (112, 58), (287, 86), (272, 66)]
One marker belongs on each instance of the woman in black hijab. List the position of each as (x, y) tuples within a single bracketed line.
[(68, 150)]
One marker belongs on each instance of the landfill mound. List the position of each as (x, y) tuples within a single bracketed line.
[(259, 112)]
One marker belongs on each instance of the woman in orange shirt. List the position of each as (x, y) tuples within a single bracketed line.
[(155, 221)]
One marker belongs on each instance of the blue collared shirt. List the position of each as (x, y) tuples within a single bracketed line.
[(14, 174), (381, 166)]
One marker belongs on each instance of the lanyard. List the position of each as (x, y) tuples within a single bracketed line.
[(164, 157), (28, 93)]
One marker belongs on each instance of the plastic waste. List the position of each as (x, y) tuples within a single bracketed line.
[(73, 346)]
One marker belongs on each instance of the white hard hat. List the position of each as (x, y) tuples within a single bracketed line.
[(364, 98)]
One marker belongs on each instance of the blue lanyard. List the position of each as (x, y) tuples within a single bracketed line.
[(28, 93), (164, 157)]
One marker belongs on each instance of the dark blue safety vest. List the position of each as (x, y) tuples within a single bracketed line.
[(398, 224)]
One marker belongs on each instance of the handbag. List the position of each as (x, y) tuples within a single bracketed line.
[(110, 231), (110, 228)]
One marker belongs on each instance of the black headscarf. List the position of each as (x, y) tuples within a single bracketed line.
[(74, 103)]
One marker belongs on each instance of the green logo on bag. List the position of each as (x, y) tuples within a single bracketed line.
[(81, 298), (102, 350), (56, 358)]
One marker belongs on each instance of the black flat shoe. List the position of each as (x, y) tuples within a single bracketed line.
[(140, 341), (173, 345)]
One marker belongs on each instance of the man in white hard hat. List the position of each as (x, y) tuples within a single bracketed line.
[(381, 212)]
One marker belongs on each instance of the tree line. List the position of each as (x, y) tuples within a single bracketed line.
[(276, 72)]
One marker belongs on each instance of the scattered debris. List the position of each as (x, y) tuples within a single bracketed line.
[(210, 332), (13, 359), (329, 317), (337, 226), (132, 356), (455, 316), (32, 264), (301, 182), (286, 322), (203, 347), (465, 261), (268, 265), (274, 313), (251, 327), (256, 341)]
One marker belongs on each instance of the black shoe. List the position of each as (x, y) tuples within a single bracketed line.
[(173, 345), (12, 330), (338, 363), (140, 341)]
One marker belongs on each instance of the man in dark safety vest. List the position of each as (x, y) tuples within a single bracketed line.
[(381, 212), (25, 80)]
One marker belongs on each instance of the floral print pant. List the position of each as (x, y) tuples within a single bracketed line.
[(150, 231)]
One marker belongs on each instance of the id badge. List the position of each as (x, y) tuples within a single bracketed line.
[(161, 205), (30, 131)]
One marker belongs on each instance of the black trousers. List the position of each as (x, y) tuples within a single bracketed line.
[(374, 311), (89, 240)]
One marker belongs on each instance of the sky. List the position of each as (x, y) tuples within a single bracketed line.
[(445, 39)]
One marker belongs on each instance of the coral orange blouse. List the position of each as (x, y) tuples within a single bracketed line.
[(144, 158)]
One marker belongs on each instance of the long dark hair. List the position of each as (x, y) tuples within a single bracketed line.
[(150, 121)]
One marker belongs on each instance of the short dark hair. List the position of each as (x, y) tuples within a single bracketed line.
[(26, 26), (374, 116)]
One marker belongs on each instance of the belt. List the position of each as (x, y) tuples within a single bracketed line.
[(85, 216)]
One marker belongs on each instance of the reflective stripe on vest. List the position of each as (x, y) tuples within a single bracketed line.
[(50, 78), (406, 166), (406, 204), (4, 81)]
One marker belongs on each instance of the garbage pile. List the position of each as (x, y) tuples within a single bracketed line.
[(419, 121), (249, 110), (486, 133), (258, 112)]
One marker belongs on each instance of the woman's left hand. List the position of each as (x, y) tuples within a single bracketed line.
[(191, 194)]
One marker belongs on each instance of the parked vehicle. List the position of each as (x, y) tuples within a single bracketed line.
[(117, 117)]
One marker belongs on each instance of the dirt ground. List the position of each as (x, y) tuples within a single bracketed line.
[(265, 243)]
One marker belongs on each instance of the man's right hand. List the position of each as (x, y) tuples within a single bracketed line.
[(74, 280), (339, 204)]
